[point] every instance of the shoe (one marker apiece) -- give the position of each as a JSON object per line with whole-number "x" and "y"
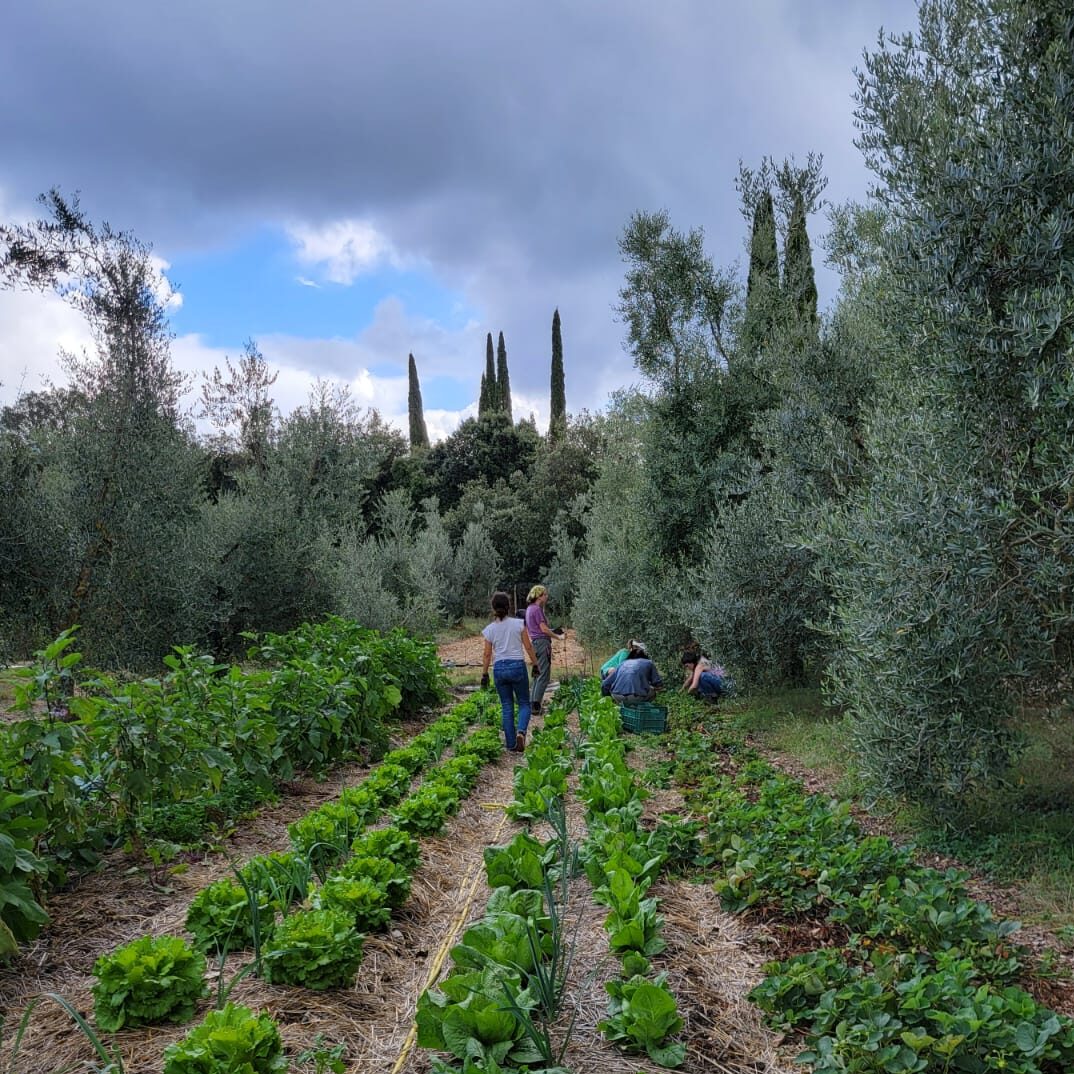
{"x": 520, "y": 742}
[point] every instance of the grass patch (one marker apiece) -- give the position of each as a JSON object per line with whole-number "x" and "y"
{"x": 1022, "y": 832}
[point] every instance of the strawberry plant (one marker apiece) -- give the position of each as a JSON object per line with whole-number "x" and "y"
{"x": 152, "y": 979}
{"x": 233, "y": 1040}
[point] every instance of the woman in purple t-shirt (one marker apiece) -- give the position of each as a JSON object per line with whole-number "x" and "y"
{"x": 540, "y": 635}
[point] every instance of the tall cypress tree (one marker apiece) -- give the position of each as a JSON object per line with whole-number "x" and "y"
{"x": 762, "y": 285}
{"x": 489, "y": 400}
{"x": 419, "y": 435}
{"x": 557, "y": 424}
{"x": 799, "y": 282}
{"x": 503, "y": 379}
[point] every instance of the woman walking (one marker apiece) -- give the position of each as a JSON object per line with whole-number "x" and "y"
{"x": 540, "y": 635}
{"x": 507, "y": 645}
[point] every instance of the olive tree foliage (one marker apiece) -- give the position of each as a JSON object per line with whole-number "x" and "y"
{"x": 240, "y": 408}
{"x": 953, "y": 564}
{"x": 124, "y": 460}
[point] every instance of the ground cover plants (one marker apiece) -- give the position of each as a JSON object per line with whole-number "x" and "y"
{"x": 925, "y": 978}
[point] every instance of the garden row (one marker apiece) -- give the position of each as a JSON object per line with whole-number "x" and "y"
{"x": 92, "y": 760}
{"x": 923, "y": 979}
{"x": 500, "y": 1008}
{"x": 303, "y": 913}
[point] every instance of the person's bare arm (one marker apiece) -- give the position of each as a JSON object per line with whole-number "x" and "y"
{"x": 696, "y": 676}
{"x": 528, "y": 646}
{"x": 488, "y": 657}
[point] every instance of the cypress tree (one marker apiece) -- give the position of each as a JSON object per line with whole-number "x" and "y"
{"x": 799, "y": 282}
{"x": 419, "y": 435}
{"x": 762, "y": 284}
{"x": 503, "y": 380}
{"x": 489, "y": 400}
{"x": 557, "y": 424}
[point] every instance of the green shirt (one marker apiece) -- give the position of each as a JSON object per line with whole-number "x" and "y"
{"x": 613, "y": 662}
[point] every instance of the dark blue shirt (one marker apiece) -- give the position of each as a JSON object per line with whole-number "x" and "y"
{"x": 634, "y": 678}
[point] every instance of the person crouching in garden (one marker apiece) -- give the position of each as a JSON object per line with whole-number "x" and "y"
{"x": 635, "y": 679}
{"x": 506, "y": 640}
{"x": 704, "y": 679}
{"x": 541, "y": 635}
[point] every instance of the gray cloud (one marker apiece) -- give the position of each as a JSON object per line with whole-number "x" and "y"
{"x": 505, "y": 144}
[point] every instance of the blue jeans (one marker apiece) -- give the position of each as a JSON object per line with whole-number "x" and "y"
{"x": 710, "y": 686}
{"x": 512, "y": 684}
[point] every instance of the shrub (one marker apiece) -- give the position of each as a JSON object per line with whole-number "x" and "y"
{"x": 152, "y": 979}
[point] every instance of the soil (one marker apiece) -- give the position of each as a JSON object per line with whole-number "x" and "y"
{"x": 568, "y": 655}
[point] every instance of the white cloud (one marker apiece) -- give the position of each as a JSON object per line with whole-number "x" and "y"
{"x": 163, "y": 291}
{"x": 344, "y": 249}
{"x": 36, "y": 327}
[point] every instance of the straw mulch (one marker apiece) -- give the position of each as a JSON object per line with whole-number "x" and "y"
{"x": 710, "y": 961}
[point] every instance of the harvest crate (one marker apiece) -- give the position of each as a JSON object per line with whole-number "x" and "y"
{"x": 644, "y": 718}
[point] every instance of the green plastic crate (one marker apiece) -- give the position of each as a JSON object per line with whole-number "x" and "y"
{"x": 644, "y": 718}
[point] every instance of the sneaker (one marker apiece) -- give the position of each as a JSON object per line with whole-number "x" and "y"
{"x": 520, "y": 742}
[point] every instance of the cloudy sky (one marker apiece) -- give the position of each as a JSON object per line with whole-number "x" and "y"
{"x": 350, "y": 182}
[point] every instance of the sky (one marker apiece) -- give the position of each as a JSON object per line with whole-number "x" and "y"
{"x": 347, "y": 183}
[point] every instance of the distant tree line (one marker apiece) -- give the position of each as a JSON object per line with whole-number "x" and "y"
{"x": 879, "y": 499}
{"x": 119, "y": 517}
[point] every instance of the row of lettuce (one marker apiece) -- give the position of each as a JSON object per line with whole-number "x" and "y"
{"x": 922, "y": 977}
{"x": 91, "y": 760}
{"x": 500, "y": 1009}
{"x": 304, "y": 913}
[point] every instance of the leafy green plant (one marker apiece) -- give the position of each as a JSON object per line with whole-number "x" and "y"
{"x": 389, "y": 782}
{"x": 233, "y": 1040}
{"x": 642, "y": 1015}
{"x": 324, "y": 834}
{"x": 469, "y": 1016}
{"x": 426, "y": 810}
{"x": 21, "y": 915}
{"x": 284, "y": 876}
{"x": 324, "y": 1059}
{"x": 318, "y": 949}
{"x": 150, "y": 980}
{"x": 360, "y": 897}
{"x": 518, "y": 864}
{"x": 394, "y": 880}
{"x": 219, "y": 916}
{"x": 392, "y": 843}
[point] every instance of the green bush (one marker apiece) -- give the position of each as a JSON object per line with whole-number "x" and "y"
{"x": 152, "y": 979}
{"x": 233, "y": 1040}
{"x": 318, "y": 949}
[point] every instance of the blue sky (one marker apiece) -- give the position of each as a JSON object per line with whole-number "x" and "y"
{"x": 347, "y": 184}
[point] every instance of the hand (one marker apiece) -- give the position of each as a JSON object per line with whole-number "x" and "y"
{"x": 485, "y": 681}
{"x": 535, "y": 671}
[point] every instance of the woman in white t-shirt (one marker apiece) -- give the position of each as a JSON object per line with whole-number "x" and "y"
{"x": 507, "y": 641}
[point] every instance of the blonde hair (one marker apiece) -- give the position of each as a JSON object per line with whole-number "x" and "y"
{"x": 535, "y": 593}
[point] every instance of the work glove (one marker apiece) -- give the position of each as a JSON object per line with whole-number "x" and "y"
{"x": 485, "y": 681}
{"x": 535, "y": 671}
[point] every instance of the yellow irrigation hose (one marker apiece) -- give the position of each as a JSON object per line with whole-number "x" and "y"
{"x": 449, "y": 939}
